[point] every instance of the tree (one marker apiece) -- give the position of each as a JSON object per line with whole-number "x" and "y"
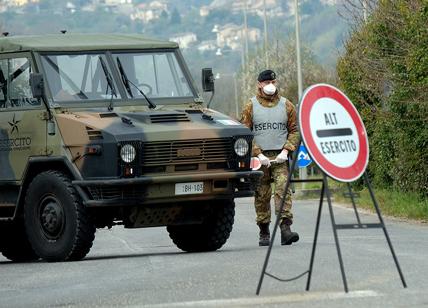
{"x": 163, "y": 15}
{"x": 384, "y": 70}
{"x": 282, "y": 60}
{"x": 175, "y": 17}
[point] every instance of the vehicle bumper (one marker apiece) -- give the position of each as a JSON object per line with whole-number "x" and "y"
{"x": 161, "y": 189}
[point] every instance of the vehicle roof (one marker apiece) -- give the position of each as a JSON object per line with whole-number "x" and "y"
{"x": 81, "y": 42}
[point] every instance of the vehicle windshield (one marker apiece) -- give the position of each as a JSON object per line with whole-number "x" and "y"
{"x": 83, "y": 77}
{"x": 79, "y": 77}
{"x": 157, "y": 74}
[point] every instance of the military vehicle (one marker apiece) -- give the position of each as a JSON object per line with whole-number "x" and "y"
{"x": 103, "y": 130}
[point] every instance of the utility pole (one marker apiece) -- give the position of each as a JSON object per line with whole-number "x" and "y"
{"x": 266, "y": 34}
{"x": 299, "y": 67}
{"x": 243, "y": 55}
{"x": 236, "y": 96}
{"x": 246, "y": 30}
{"x": 302, "y": 171}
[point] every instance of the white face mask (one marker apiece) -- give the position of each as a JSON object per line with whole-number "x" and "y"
{"x": 269, "y": 89}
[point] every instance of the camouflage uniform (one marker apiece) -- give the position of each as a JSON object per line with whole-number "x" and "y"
{"x": 276, "y": 173}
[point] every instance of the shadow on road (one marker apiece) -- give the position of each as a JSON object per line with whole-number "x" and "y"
{"x": 143, "y": 255}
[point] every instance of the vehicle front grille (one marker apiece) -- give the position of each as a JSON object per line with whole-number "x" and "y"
{"x": 187, "y": 151}
{"x": 129, "y": 192}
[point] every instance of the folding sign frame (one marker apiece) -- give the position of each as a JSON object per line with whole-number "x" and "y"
{"x": 325, "y": 192}
{"x": 334, "y": 104}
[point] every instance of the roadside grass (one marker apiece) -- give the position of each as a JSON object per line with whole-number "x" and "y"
{"x": 391, "y": 203}
{"x": 311, "y": 190}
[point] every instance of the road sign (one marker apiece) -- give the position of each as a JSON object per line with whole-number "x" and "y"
{"x": 333, "y": 132}
{"x": 303, "y": 159}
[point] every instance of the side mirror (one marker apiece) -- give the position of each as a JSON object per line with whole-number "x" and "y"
{"x": 207, "y": 80}
{"x": 37, "y": 85}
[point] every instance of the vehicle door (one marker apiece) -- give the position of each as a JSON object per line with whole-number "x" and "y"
{"x": 22, "y": 117}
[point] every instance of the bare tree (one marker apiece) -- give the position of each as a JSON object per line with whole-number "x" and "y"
{"x": 282, "y": 60}
{"x": 356, "y": 11}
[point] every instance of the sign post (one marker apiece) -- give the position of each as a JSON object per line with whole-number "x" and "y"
{"x": 336, "y": 140}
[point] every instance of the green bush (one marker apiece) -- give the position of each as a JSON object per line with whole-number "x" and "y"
{"x": 384, "y": 71}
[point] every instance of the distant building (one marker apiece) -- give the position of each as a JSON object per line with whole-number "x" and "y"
{"x": 233, "y": 36}
{"x": 118, "y": 6}
{"x": 207, "y": 46}
{"x": 273, "y": 7}
{"x": 147, "y": 12}
{"x": 204, "y": 11}
{"x": 184, "y": 39}
{"x": 117, "y": 2}
{"x": 70, "y": 7}
{"x": 90, "y": 7}
{"x": 18, "y": 2}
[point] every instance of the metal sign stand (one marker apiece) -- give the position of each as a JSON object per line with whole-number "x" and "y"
{"x": 325, "y": 191}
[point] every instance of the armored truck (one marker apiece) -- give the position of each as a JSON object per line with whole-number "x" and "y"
{"x": 98, "y": 130}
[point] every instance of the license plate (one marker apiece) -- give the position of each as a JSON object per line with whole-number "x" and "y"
{"x": 189, "y": 188}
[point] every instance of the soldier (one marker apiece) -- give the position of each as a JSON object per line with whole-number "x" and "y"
{"x": 272, "y": 119}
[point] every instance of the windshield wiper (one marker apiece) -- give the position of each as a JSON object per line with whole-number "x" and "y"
{"x": 128, "y": 82}
{"x": 109, "y": 82}
{"x": 124, "y": 78}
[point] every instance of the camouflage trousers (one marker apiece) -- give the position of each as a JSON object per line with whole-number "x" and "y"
{"x": 277, "y": 174}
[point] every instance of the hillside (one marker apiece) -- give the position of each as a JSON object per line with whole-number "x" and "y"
{"x": 200, "y": 26}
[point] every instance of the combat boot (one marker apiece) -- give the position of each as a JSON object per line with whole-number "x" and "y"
{"x": 264, "y": 235}
{"x": 287, "y": 236}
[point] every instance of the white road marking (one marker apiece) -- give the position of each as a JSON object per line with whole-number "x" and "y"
{"x": 252, "y": 301}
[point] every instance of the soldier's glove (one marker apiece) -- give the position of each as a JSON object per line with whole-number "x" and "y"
{"x": 282, "y": 157}
{"x": 263, "y": 160}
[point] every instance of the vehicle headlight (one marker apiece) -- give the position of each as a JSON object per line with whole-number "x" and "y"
{"x": 128, "y": 153}
{"x": 241, "y": 147}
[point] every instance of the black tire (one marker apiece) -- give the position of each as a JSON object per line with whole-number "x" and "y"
{"x": 14, "y": 244}
{"x": 211, "y": 235}
{"x": 57, "y": 224}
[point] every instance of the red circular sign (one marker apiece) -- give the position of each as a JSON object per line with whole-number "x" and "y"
{"x": 333, "y": 132}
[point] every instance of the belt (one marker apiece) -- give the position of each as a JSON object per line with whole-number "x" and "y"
{"x": 271, "y": 152}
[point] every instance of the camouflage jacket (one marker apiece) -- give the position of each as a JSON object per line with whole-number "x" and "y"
{"x": 293, "y": 133}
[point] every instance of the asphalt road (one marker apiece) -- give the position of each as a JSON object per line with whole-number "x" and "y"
{"x": 142, "y": 267}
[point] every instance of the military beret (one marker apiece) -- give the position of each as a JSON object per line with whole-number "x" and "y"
{"x": 266, "y": 75}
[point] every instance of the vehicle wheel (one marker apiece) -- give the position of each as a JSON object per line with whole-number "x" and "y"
{"x": 14, "y": 244}
{"x": 57, "y": 224}
{"x": 211, "y": 235}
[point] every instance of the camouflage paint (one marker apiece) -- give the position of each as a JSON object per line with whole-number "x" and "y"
{"x": 73, "y": 127}
{"x": 6, "y": 172}
{"x": 277, "y": 174}
{"x": 87, "y": 125}
{"x": 23, "y": 136}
